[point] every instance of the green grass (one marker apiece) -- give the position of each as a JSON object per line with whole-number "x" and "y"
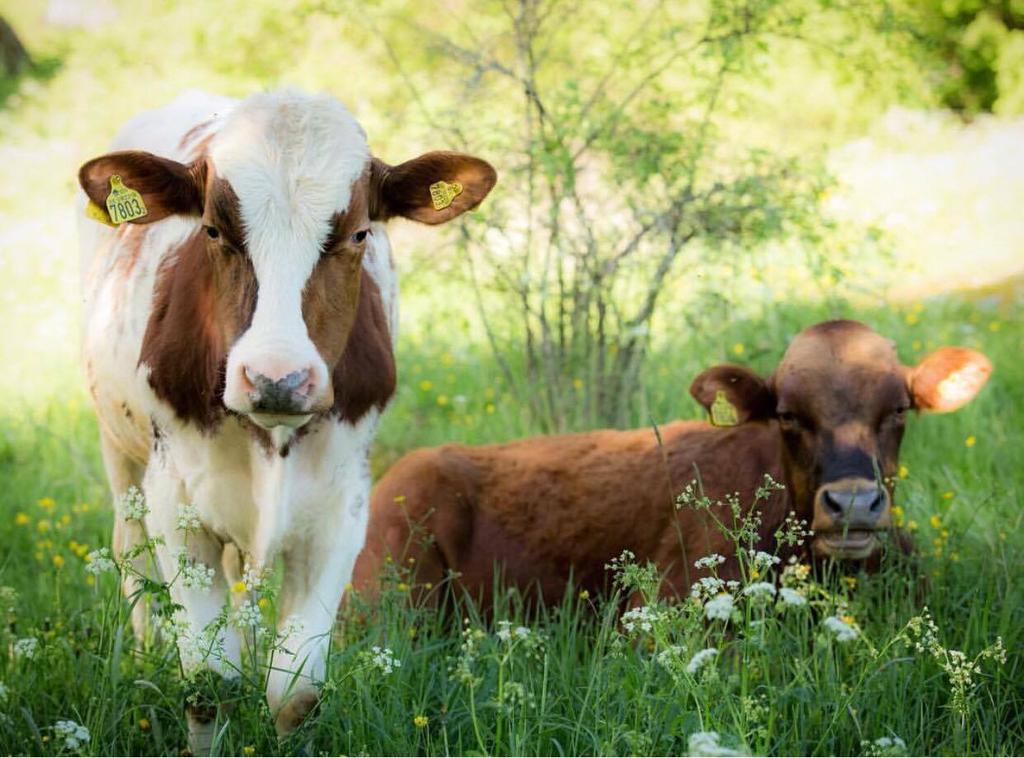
{"x": 577, "y": 686}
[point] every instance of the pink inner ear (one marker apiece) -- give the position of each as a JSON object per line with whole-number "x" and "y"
{"x": 944, "y": 388}
{"x": 959, "y": 387}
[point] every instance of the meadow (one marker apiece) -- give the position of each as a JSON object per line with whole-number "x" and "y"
{"x": 879, "y": 664}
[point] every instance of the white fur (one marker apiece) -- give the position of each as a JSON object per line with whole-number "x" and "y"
{"x": 291, "y": 159}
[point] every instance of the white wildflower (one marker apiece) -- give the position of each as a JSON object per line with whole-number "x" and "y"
{"x": 843, "y": 632}
{"x": 253, "y": 578}
{"x": 719, "y": 607}
{"x": 132, "y": 505}
{"x": 792, "y": 597}
{"x": 670, "y": 656}
{"x": 99, "y": 561}
{"x": 506, "y": 633}
{"x": 74, "y": 735}
{"x": 197, "y": 649}
{"x": 196, "y": 575}
{"x": 292, "y": 627}
{"x": 383, "y": 659}
{"x": 188, "y": 518}
{"x": 708, "y": 743}
{"x": 701, "y": 659}
{"x": 884, "y": 746}
{"x": 707, "y": 586}
{"x": 760, "y": 589}
{"x": 709, "y": 561}
{"x": 639, "y": 619}
{"x": 26, "y": 648}
{"x": 762, "y": 560}
{"x": 248, "y": 616}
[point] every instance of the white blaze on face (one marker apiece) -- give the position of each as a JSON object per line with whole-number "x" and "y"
{"x": 291, "y": 159}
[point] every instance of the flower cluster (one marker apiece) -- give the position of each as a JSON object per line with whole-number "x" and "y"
{"x": 506, "y": 633}
{"x": 99, "y": 561}
{"x": 248, "y": 616}
{"x": 382, "y": 659}
{"x": 132, "y": 505}
{"x": 719, "y": 607}
{"x": 640, "y": 619}
{"x": 884, "y": 746}
{"x": 701, "y": 659}
{"x": 188, "y": 518}
{"x": 196, "y": 575}
{"x": 842, "y": 630}
{"x": 709, "y": 561}
{"x": 708, "y": 743}
{"x": 74, "y": 735}
{"x": 26, "y": 648}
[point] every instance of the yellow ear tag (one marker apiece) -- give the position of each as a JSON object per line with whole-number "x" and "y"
{"x": 723, "y": 413}
{"x": 124, "y": 203}
{"x": 442, "y": 193}
{"x": 96, "y": 213}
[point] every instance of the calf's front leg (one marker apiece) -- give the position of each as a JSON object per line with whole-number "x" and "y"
{"x": 315, "y": 574}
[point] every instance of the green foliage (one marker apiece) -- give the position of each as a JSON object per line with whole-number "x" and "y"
{"x": 980, "y": 43}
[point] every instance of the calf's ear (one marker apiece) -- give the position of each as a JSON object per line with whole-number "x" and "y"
{"x": 167, "y": 187}
{"x": 948, "y": 378}
{"x": 747, "y": 393}
{"x": 431, "y": 189}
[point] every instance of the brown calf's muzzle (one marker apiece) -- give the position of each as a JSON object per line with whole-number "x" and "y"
{"x": 848, "y": 514}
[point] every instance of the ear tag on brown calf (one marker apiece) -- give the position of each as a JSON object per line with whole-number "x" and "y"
{"x": 124, "y": 203}
{"x": 96, "y": 213}
{"x": 442, "y": 193}
{"x": 723, "y": 413}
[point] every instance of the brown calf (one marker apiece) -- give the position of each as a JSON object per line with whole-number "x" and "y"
{"x": 828, "y": 424}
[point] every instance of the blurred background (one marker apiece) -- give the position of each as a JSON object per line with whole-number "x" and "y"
{"x": 680, "y": 182}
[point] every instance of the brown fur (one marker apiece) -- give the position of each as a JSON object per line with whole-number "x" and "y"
{"x": 548, "y": 508}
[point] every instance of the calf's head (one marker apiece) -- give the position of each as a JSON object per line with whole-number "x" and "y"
{"x": 255, "y": 313}
{"x": 840, "y": 399}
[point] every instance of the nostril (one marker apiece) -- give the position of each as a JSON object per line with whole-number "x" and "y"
{"x": 831, "y": 502}
{"x": 877, "y": 503}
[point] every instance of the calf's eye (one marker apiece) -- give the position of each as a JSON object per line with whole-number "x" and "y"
{"x": 212, "y": 232}
{"x": 789, "y": 421}
{"x": 360, "y": 236}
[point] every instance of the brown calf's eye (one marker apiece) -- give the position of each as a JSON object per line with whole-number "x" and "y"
{"x": 212, "y": 232}
{"x": 360, "y": 236}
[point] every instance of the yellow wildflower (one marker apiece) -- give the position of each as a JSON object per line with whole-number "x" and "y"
{"x": 238, "y": 587}
{"x": 262, "y": 602}
{"x": 848, "y": 619}
{"x": 912, "y": 525}
{"x": 850, "y": 582}
{"x": 249, "y": 750}
{"x": 970, "y": 441}
{"x": 739, "y": 348}
{"x": 904, "y": 472}
{"x": 21, "y": 519}
{"x": 65, "y": 519}
{"x": 428, "y": 585}
{"x": 994, "y": 326}
{"x": 420, "y": 721}
{"x": 426, "y": 385}
{"x": 911, "y": 318}
{"x": 584, "y": 595}
{"x": 144, "y": 725}
{"x": 897, "y": 516}
{"x": 948, "y": 495}
{"x": 58, "y": 560}
{"x": 577, "y": 383}
{"x": 43, "y": 525}
{"x": 47, "y": 502}
{"x": 403, "y": 587}
{"x": 442, "y": 400}
{"x": 936, "y": 521}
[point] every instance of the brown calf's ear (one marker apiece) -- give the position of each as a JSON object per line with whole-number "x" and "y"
{"x": 167, "y": 187}
{"x": 431, "y": 189}
{"x": 748, "y": 394}
{"x": 948, "y": 378}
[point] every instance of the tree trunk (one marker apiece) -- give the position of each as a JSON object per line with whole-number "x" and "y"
{"x": 13, "y": 55}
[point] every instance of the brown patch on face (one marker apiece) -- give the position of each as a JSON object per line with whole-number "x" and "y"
{"x": 204, "y": 299}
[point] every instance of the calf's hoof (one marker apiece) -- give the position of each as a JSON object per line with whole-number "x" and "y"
{"x": 295, "y": 710}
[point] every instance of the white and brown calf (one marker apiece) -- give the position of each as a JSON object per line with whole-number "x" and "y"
{"x": 238, "y": 344}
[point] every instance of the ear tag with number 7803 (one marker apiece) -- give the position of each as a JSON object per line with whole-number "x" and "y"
{"x": 124, "y": 203}
{"x": 723, "y": 413}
